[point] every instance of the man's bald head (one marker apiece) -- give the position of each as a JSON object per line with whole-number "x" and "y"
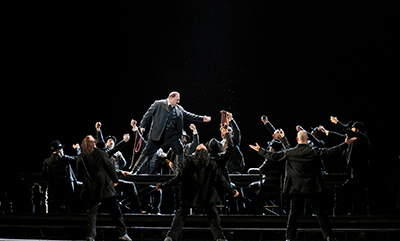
{"x": 302, "y": 137}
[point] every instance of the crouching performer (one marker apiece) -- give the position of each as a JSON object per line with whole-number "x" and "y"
{"x": 200, "y": 179}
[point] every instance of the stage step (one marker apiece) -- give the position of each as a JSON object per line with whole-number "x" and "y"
{"x": 236, "y": 227}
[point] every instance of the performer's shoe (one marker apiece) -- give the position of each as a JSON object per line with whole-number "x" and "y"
{"x": 331, "y": 239}
{"x": 125, "y": 237}
{"x": 168, "y": 239}
{"x": 89, "y": 239}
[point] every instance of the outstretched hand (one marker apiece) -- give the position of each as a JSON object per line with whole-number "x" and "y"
{"x": 206, "y": 118}
{"x": 256, "y": 147}
{"x": 236, "y": 194}
{"x": 349, "y": 141}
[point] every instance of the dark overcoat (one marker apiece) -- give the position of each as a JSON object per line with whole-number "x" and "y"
{"x": 199, "y": 184}
{"x": 102, "y": 174}
{"x": 303, "y": 167}
{"x": 158, "y": 113}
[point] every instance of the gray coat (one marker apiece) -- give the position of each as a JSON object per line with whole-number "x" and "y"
{"x": 157, "y": 114}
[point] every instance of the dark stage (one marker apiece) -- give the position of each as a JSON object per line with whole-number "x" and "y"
{"x": 74, "y": 64}
{"x": 236, "y": 227}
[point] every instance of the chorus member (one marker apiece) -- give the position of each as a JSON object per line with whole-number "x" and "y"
{"x": 132, "y": 203}
{"x": 236, "y": 161}
{"x": 99, "y": 179}
{"x": 303, "y": 179}
{"x": 165, "y": 118}
{"x": 358, "y": 165}
{"x": 200, "y": 179}
{"x": 57, "y": 170}
{"x": 277, "y": 134}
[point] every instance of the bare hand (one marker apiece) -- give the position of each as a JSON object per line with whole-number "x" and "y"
{"x": 299, "y": 128}
{"x": 76, "y": 146}
{"x": 206, "y": 118}
{"x": 171, "y": 165}
{"x": 236, "y": 194}
{"x": 192, "y": 127}
{"x": 115, "y": 184}
{"x": 126, "y": 173}
{"x": 321, "y": 128}
{"x": 126, "y": 137}
{"x": 348, "y": 142}
{"x": 158, "y": 187}
{"x": 264, "y": 119}
{"x": 334, "y": 120}
{"x": 256, "y": 147}
{"x": 142, "y": 129}
{"x": 98, "y": 126}
{"x": 133, "y": 123}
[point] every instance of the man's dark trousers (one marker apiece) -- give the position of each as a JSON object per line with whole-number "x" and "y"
{"x": 296, "y": 208}
{"x": 169, "y": 139}
{"x": 180, "y": 218}
{"x": 111, "y": 204}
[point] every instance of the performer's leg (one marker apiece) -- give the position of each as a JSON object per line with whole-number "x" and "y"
{"x": 316, "y": 202}
{"x": 91, "y": 220}
{"x": 360, "y": 194}
{"x": 215, "y": 222}
{"x": 295, "y": 210}
{"x": 178, "y": 222}
{"x": 130, "y": 189}
{"x": 177, "y": 147}
{"x": 116, "y": 215}
{"x": 147, "y": 153}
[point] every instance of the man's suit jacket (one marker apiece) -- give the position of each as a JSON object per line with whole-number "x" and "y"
{"x": 303, "y": 166}
{"x": 200, "y": 185}
{"x": 101, "y": 172}
{"x": 236, "y": 161}
{"x": 158, "y": 113}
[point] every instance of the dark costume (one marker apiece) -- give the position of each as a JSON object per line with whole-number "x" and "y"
{"x": 57, "y": 170}
{"x": 236, "y": 161}
{"x": 199, "y": 180}
{"x": 132, "y": 203}
{"x": 303, "y": 179}
{"x": 358, "y": 166}
{"x": 99, "y": 177}
{"x": 166, "y": 129}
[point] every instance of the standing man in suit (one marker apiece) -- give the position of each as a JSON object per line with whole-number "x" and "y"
{"x": 166, "y": 118}
{"x": 303, "y": 179}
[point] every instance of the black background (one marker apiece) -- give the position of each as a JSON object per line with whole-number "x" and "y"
{"x": 76, "y": 63}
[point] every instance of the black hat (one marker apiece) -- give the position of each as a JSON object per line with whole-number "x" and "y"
{"x": 56, "y": 145}
{"x": 187, "y": 136}
{"x": 359, "y": 125}
{"x": 213, "y": 147}
{"x": 111, "y": 137}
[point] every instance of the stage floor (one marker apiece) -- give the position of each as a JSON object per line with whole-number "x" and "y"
{"x": 154, "y": 227}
